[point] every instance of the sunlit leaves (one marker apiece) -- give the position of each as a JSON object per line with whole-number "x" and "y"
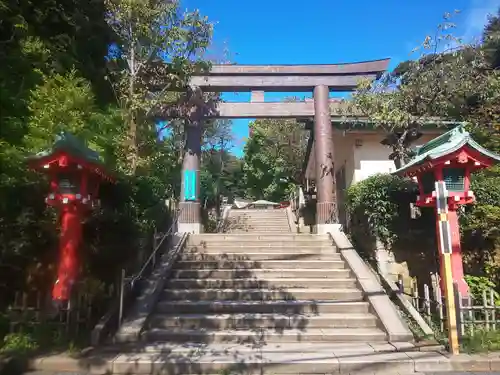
{"x": 446, "y": 81}
{"x": 158, "y": 48}
{"x": 274, "y": 156}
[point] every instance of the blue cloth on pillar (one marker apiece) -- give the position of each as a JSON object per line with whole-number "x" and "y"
{"x": 189, "y": 185}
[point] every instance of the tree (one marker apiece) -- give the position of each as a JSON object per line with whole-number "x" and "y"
{"x": 446, "y": 81}
{"x": 274, "y": 156}
{"x": 157, "y": 49}
{"x": 217, "y": 141}
{"x": 53, "y": 78}
{"x": 491, "y": 40}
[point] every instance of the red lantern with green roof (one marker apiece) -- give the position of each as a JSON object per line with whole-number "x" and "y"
{"x": 75, "y": 173}
{"x": 452, "y": 158}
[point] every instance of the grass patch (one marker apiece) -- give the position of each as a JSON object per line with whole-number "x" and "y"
{"x": 481, "y": 342}
{"x": 39, "y": 339}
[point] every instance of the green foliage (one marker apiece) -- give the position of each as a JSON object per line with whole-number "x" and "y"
{"x": 30, "y": 338}
{"x": 274, "y": 156}
{"x": 478, "y": 285}
{"x": 491, "y": 37}
{"x": 481, "y": 341}
{"x": 447, "y": 80}
{"x": 158, "y": 48}
{"x": 219, "y": 172}
{"x": 480, "y": 227}
{"x": 19, "y": 343}
{"x": 61, "y": 103}
{"x": 376, "y": 201}
{"x": 55, "y": 77}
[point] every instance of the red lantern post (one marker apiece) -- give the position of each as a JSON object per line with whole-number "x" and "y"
{"x": 451, "y": 158}
{"x": 75, "y": 172}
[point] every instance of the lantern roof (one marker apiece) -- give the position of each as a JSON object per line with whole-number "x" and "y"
{"x": 67, "y": 143}
{"x": 443, "y": 145}
{"x": 71, "y": 145}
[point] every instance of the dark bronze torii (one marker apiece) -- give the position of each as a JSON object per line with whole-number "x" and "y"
{"x": 257, "y": 79}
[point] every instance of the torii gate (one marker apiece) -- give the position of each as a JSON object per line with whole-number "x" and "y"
{"x": 257, "y": 79}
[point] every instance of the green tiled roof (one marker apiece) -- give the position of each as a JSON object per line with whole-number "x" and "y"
{"x": 73, "y": 146}
{"x": 444, "y": 145}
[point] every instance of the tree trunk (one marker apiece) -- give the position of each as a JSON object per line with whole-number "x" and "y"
{"x": 134, "y": 154}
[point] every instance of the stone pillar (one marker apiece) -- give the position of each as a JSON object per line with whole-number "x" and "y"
{"x": 326, "y": 210}
{"x": 190, "y": 206}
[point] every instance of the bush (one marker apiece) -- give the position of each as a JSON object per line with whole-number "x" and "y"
{"x": 19, "y": 343}
{"x": 379, "y": 208}
{"x": 380, "y": 215}
{"x": 375, "y": 204}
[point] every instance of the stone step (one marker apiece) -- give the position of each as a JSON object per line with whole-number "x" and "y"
{"x": 268, "y": 220}
{"x": 264, "y": 236}
{"x": 287, "y": 294}
{"x": 260, "y": 219}
{"x": 282, "y": 254}
{"x": 252, "y": 321}
{"x": 348, "y": 283}
{"x": 231, "y": 247}
{"x": 263, "y": 223}
{"x": 251, "y": 212}
{"x": 262, "y": 307}
{"x": 266, "y": 264}
{"x": 340, "y": 348}
{"x": 355, "y": 358}
{"x": 258, "y": 244}
{"x": 322, "y": 273}
{"x": 269, "y": 223}
{"x": 250, "y": 229}
{"x": 264, "y": 214}
{"x": 254, "y": 230}
{"x": 250, "y": 237}
{"x": 262, "y": 336}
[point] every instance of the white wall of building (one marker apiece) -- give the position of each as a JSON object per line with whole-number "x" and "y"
{"x": 363, "y": 155}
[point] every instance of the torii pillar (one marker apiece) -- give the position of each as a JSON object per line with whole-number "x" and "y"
{"x": 326, "y": 208}
{"x": 190, "y": 205}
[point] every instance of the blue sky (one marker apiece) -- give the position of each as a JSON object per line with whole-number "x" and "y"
{"x": 328, "y": 31}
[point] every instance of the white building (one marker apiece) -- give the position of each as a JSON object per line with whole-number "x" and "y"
{"x": 358, "y": 154}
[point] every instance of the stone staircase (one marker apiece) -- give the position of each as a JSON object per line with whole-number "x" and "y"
{"x": 262, "y": 300}
{"x": 262, "y": 289}
{"x": 258, "y": 221}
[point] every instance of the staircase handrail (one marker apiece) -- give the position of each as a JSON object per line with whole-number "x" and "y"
{"x": 152, "y": 256}
{"x": 115, "y": 313}
{"x": 223, "y": 218}
{"x": 130, "y": 281}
